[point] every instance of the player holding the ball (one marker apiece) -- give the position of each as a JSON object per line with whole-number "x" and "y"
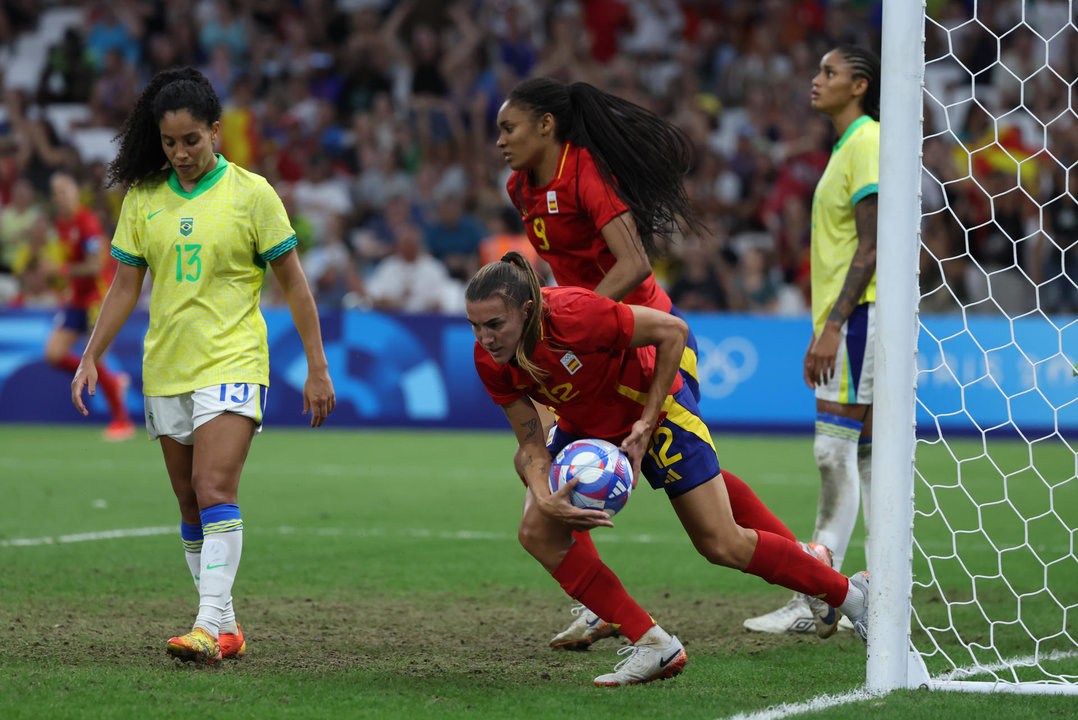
{"x": 610, "y": 371}
{"x": 597, "y": 181}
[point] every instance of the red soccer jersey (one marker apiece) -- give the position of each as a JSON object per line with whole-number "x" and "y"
{"x": 81, "y": 237}
{"x": 564, "y": 220}
{"x": 597, "y": 384}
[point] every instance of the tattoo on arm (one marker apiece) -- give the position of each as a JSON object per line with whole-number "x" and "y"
{"x": 532, "y": 427}
{"x": 863, "y": 265}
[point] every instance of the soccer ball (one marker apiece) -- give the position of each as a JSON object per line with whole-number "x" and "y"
{"x": 604, "y": 473}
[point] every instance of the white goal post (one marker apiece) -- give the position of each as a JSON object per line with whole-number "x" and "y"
{"x": 948, "y": 609}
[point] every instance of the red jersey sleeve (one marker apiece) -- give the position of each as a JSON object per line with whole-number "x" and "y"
{"x": 597, "y": 199}
{"x": 497, "y": 379}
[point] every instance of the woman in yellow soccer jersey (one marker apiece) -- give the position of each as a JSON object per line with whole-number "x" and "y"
{"x": 205, "y": 229}
{"x": 839, "y": 362}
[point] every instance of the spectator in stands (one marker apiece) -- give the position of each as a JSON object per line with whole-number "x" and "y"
{"x": 411, "y": 280}
{"x": 37, "y": 268}
{"x": 68, "y": 74}
{"x": 113, "y": 26}
{"x": 38, "y": 150}
{"x": 323, "y": 198}
{"x": 1055, "y": 253}
{"x": 454, "y": 236}
{"x": 114, "y": 91}
{"x": 16, "y": 219}
{"x": 700, "y": 283}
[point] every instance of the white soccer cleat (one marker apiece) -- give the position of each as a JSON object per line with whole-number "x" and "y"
{"x": 583, "y": 631}
{"x": 646, "y": 663}
{"x": 860, "y": 619}
{"x": 793, "y": 617}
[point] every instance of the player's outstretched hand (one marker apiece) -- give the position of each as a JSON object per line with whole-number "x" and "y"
{"x": 85, "y": 377}
{"x": 559, "y": 507}
{"x": 318, "y": 397}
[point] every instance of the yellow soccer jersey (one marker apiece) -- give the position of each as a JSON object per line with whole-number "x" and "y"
{"x": 852, "y": 172}
{"x": 207, "y": 251}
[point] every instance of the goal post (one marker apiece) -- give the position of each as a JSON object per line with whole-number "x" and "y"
{"x": 898, "y": 245}
{"x": 974, "y": 513}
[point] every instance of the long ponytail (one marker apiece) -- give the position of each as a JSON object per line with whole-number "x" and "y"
{"x": 515, "y": 281}
{"x": 641, "y": 157}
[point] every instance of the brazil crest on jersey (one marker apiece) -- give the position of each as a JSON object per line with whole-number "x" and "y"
{"x": 564, "y": 220}
{"x": 207, "y": 251}
{"x": 852, "y": 173}
{"x": 597, "y": 384}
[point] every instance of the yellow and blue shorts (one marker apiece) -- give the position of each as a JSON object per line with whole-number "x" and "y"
{"x": 680, "y": 456}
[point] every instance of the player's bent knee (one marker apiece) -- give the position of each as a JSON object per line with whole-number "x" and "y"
{"x": 718, "y": 553}
{"x": 529, "y": 539}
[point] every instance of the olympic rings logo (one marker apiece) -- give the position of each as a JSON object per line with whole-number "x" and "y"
{"x": 722, "y": 367}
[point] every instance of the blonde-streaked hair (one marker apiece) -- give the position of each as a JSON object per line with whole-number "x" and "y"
{"x": 515, "y": 281}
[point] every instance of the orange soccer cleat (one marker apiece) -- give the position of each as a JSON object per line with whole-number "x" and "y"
{"x": 119, "y": 430}
{"x": 233, "y": 644}
{"x": 196, "y": 646}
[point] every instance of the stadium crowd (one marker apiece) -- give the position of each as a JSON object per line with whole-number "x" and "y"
{"x": 375, "y": 122}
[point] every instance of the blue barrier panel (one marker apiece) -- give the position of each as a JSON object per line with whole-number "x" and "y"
{"x": 417, "y": 371}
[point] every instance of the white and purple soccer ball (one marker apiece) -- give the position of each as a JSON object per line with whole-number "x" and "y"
{"x": 604, "y": 473}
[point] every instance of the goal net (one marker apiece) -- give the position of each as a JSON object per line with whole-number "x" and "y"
{"x": 982, "y": 594}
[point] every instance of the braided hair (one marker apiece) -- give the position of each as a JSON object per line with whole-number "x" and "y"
{"x": 864, "y": 64}
{"x": 140, "y": 154}
{"x": 515, "y": 281}
{"x": 641, "y": 157}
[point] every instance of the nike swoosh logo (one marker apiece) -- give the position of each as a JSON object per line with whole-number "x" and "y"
{"x": 211, "y": 567}
{"x": 663, "y": 662}
{"x": 154, "y": 213}
{"x": 595, "y": 622}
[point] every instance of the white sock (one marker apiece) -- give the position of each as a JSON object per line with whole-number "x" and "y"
{"x": 654, "y": 636}
{"x": 228, "y": 617}
{"x": 835, "y": 449}
{"x": 854, "y": 604}
{"x": 219, "y": 563}
{"x": 864, "y": 468}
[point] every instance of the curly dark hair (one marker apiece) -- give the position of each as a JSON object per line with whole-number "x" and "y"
{"x": 641, "y": 157}
{"x": 140, "y": 155}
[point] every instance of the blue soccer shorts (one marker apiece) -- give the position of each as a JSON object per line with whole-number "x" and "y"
{"x": 680, "y": 455}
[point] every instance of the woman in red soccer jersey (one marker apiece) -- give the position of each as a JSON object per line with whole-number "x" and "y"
{"x": 88, "y": 273}
{"x": 596, "y": 178}
{"x": 623, "y": 386}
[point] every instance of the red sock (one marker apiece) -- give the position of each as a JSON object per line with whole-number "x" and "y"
{"x": 749, "y": 510}
{"x": 584, "y": 576}
{"x": 106, "y": 379}
{"x": 584, "y": 539}
{"x": 69, "y": 363}
{"x": 784, "y": 562}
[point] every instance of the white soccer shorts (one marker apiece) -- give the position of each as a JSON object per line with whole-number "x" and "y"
{"x": 178, "y": 416}
{"x": 853, "y": 379}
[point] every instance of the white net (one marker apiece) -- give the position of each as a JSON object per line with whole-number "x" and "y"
{"x": 995, "y": 569}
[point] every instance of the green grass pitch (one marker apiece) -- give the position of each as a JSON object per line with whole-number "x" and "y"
{"x": 381, "y": 578}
